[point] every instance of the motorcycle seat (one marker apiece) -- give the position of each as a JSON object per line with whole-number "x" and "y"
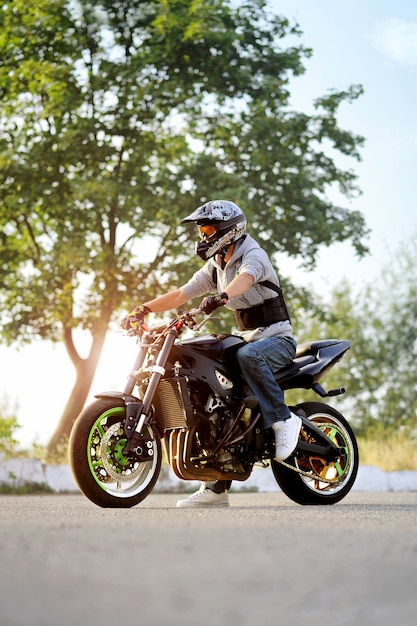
{"x": 294, "y": 367}
{"x": 306, "y": 353}
{"x": 312, "y": 347}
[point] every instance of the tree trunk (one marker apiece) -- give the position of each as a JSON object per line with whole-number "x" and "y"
{"x": 85, "y": 373}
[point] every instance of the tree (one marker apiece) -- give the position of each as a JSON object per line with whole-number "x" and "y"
{"x": 8, "y": 427}
{"x": 379, "y": 369}
{"x": 392, "y": 314}
{"x": 119, "y": 117}
{"x": 345, "y": 317}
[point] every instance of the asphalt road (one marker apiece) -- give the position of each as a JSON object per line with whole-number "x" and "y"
{"x": 262, "y": 561}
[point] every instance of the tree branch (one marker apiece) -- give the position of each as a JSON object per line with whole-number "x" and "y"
{"x": 70, "y": 347}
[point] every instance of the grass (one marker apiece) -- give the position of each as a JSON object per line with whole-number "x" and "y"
{"x": 25, "y": 489}
{"x": 390, "y": 452}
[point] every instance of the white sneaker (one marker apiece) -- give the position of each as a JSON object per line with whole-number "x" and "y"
{"x": 286, "y": 436}
{"x": 204, "y": 497}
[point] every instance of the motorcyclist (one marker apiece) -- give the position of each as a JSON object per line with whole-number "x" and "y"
{"x": 240, "y": 275}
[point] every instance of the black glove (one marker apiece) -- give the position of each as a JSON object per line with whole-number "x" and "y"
{"x": 211, "y": 303}
{"x": 136, "y": 317}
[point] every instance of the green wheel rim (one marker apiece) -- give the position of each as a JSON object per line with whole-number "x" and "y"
{"x": 111, "y": 469}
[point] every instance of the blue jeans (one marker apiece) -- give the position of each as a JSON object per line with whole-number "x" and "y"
{"x": 259, "y": 361}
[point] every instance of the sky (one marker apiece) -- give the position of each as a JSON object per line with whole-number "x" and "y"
{"x": 372, "y": 43}
{"x": 367, "y": 42}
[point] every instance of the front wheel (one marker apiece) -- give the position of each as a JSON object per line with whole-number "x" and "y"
{"x": 315, "y": 480}
{"x": 103, "y": 473}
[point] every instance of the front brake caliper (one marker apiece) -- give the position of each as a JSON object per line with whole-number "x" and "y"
{"x": 140, "y": 447}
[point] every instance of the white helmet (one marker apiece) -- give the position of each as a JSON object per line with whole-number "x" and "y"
{"x": 229, "y": 224}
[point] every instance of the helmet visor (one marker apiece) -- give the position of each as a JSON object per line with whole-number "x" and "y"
{"x": 206, "y": 231}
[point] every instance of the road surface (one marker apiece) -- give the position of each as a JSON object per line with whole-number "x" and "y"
{"x": 263, "y": 561}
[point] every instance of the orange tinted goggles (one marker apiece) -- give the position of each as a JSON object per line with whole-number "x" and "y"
{"x": 206, "y": 231}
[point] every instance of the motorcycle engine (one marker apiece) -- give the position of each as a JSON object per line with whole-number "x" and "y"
{"x": 215, "y": 421}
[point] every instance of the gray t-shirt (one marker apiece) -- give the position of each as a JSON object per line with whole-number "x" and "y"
{"x": 247, "y": 258}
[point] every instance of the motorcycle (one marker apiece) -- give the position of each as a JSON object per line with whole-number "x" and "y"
{"x": 192, "y": 396}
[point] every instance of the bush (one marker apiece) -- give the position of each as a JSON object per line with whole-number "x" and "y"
{"x": 8, "y": 427}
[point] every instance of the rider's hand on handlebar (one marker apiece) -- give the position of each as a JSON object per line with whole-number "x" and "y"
{"x": 211, "y": 303}
{"x": 135, "y": 318}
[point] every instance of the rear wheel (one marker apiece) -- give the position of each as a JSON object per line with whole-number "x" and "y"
{"x": 103, "y": 473}
{"x": 315, "y": 480}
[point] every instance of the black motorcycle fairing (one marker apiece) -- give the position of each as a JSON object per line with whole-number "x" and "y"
{"x": 219, "y": 346}
{"x": 212, "y": 360}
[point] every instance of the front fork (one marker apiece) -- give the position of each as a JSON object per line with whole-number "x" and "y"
{"x": 138, "y": 412}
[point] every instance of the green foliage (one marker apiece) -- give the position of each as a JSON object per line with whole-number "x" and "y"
{"x": 379, "y": 369}
{"x": 392, "y": 313}
{"x": 119, "y": 117}
{"x": 8, "y": 427}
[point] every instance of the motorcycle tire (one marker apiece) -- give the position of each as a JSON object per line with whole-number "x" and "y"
{"x": 339, "y": 476}
{"x": 103, "y": 473}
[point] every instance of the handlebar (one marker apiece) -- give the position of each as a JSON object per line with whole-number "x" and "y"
{"x": 184, "y": 318}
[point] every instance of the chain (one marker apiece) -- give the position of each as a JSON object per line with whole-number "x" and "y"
{"x": 312, "y": 476}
